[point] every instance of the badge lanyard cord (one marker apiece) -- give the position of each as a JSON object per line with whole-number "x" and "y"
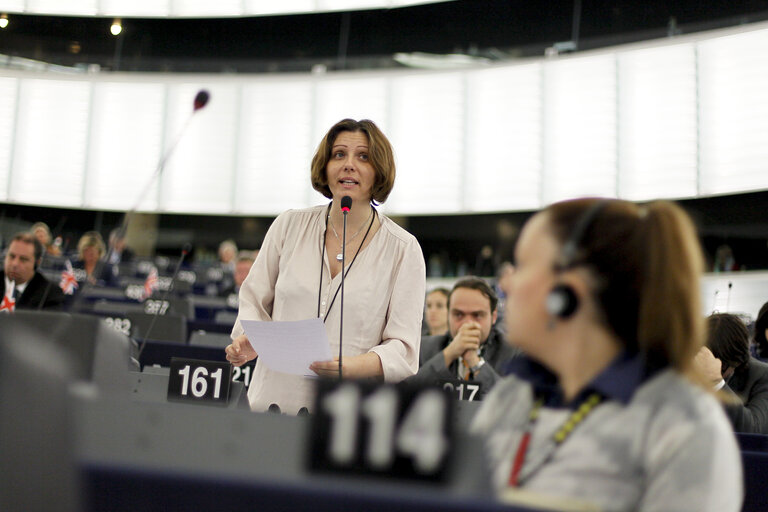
{"x": 559, "y": 437}
{"x": 346, "y": 273}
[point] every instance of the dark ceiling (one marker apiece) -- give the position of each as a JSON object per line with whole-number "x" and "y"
{"x": 494, "y": 29}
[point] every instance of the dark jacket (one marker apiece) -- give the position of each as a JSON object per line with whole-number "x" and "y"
{"x": 750, "y": 385}
{"x": 432, "y": 370}
{"x": 35, "y": 292}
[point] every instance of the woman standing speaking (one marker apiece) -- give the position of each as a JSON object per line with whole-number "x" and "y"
{"x": 297, "y": 274}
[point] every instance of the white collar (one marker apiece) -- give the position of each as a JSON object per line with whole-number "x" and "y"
{"x": 20, "y": 287}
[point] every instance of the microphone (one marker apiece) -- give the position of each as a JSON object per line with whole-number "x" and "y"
{"x": 714, "y": 302}
{"x": 201, "y": 99}
{"x": 184, "y": 252}
{"x": 728, "y": 297}
{"x": 346, "y": 205}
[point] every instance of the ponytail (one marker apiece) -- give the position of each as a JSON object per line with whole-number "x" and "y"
{"x": 670, "y": 324}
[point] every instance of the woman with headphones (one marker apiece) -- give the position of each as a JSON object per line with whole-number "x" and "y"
{"x": 605, "y": 407}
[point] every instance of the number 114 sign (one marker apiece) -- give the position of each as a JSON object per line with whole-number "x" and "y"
{"x": 385, "y": 430}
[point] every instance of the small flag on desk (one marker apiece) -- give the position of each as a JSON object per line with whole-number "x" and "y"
{"x": 9, "y": 303}
{"x": 151, "y": 284}
{"x": 68, "y": 283}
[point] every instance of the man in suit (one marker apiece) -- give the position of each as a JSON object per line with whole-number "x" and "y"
{"x": 474, "y": 349}
{"x": 726, "y": 361}
{"x": 31, "y": 288}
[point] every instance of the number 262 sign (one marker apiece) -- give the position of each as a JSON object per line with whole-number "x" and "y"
{"x": 385, "y": 430}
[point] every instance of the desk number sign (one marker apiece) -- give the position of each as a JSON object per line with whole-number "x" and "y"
{"x": 193, "y": 380}
{"x": 468, "y": 390}
{"x": 384, "y": 430}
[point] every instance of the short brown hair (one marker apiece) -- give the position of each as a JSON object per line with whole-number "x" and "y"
{"x": 647, "y": 262}
{"x": 380, "y": 156}
{"x": 479, "y": 284}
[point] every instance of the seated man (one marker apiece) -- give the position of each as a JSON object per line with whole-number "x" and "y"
{"x": 30, "y": 287}
{"x": 726, "y": 361}
{"x": 243, "y": 266}
{"x": 473, "y": 349}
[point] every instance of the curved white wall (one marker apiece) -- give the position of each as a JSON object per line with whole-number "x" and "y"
{"x": 193, "y": 8}
{"x": 675, "y": 118}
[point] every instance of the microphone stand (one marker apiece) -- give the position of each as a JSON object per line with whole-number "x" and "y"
{"x": 184, "y": 251}
{"x": 200, "y": 101}
{"x": 345, "y": 210}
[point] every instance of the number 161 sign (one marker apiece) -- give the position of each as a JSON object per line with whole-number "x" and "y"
{"x": 193, "y": 380}
{"x": 385, "y": 430}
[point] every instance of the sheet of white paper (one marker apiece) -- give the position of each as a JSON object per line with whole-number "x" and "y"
{"x": 289, "y": 347}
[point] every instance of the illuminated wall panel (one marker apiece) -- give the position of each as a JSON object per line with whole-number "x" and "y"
{"x": 657, "y": 123}
{"x": 8, "y": 90}
{"x": 275, "y": 147}
{"x": 579, "y": 127}
{"x": 125, "y": 145}
{"x": 50, "y": 142}
{"x": 504, "y": 139}
{"x": 733, "y": 81}
{"x": 427, "y": 131}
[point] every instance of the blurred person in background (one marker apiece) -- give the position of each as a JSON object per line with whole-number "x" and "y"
{"x": 31, "y": 290}
{"x": 761, "y": 332}
{"x": 43, "y": 233}
{"x": 724, "y": 260}
{"x": 503, "y": 275}
{"x": 436, "y": 312}
{"x": 297, "y": 274}
{"x": 605, "y": 406}
{"x": 243, "y": 265}
{"x": 91, "y": 264}
{"x": 119, "y": 252}
{"x": 728, "y": 365}
{"x": 228, "y": 255}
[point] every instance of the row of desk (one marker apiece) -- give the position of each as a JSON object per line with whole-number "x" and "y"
{"x": 84, "y": 429}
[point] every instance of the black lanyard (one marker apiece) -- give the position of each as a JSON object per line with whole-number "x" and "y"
{"x": 349, "y": 267}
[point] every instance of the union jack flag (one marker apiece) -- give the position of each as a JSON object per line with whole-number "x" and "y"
{"x": 9, "y": 303}
{"x": 151, "y": 284}
{"x": 68, "y": 283}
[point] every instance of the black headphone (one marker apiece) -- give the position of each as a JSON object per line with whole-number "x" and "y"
{"x": 562, "y": 301}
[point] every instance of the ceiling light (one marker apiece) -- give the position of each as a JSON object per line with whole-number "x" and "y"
{"x": 3, "y": 20}
{"x": 117, "y": 27}
{"x": 433, "y": 61}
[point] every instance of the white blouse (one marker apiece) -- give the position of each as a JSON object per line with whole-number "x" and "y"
{"x": 383, "y": 300}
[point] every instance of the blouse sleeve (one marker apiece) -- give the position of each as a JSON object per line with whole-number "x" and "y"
{"x": 257, "y": 292}
{"x": 399, "y": 348}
